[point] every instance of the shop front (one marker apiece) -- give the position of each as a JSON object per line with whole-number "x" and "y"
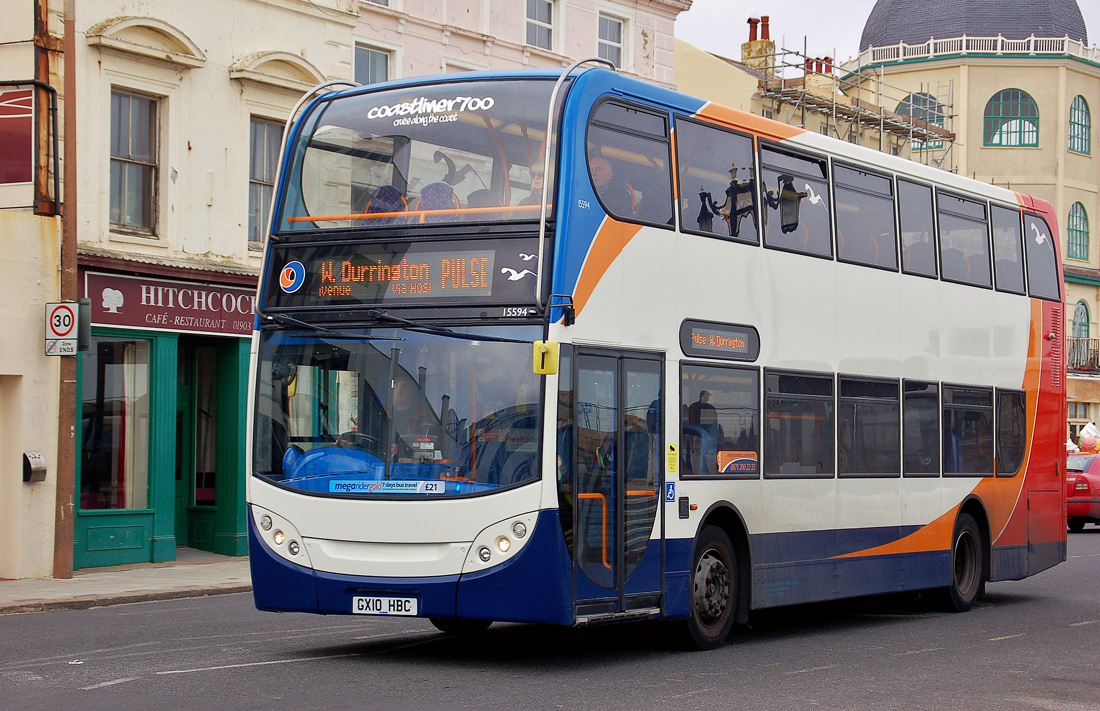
{"x": 161, "y": 426}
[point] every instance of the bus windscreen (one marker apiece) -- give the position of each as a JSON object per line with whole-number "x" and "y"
{"x": 421, "y": 155}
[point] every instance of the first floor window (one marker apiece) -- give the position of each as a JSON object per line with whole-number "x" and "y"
{"x": 264, "y": 155}
{"x": 371, "y": 65}
{"x": 540, "y": 23}
{"x": 133, "y": 161}
{"x": 611, "y": 40}
{"x": 1078, "y": 228}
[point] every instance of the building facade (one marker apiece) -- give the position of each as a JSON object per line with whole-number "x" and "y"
{"x": 176, "y": 124}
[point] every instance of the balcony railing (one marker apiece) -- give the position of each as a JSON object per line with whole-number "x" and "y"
{"x": 1083, "y": 355}
{"x": 1032, "y": 46}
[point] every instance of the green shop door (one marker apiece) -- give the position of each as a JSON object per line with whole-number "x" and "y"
{"x": 209, "y": 464}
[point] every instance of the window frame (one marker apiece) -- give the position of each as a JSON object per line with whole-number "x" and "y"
{"x": 995, "y": 118}
{"x": 933, "y": 233}
{"x": 938, "y": 438}
{"x": 841, "y": 399}
{"x": 997, "y": 448}
{"x": 829, "y": 431}
{"x": 371, "y": 50}
{"x": 1020, "y": 247}
{"x": 930, "y": 112}
{"x": 984, "y": 204}
{"x": 1077, "y": 232}
{"x": 966, "y": 407}
{"x": 601, "y": 42}
{"x": 755, "y": 370}
{"x": 261, "y": 183}
{"x": 151, "y": 231}
{"x": 1080, "y": 126}
{"x": 539, "y": 24}
{"x": 836, "y": 189}
{"x": 764, "y": 193}
{"x": 753, "y": 170}
{"x": 1030, "y": 256}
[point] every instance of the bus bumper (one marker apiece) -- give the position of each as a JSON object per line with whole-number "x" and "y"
{"x": 534, "y": 586}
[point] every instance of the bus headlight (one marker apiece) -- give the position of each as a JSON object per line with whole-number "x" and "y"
{"x": 499, "y": 542}
{"x": 278, "y": 538}
{"x": 265, "y": 522}
{"x": 293, "y": 547}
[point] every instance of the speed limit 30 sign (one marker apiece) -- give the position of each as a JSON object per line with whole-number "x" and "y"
{"x": 61, "y": 328}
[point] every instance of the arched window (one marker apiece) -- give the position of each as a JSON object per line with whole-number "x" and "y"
{"x": 923, "y": 107}
{"x": 1081, "y": 320}
{"x": 1080, "y": 126}
{"x": 1078, "y": 231}
{"x": 1011, "y": 119}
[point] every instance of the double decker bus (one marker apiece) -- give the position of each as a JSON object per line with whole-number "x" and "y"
{"x": 574, "y": 348}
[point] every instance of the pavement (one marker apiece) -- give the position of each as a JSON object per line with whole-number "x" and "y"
{"x": 194, "y": 573}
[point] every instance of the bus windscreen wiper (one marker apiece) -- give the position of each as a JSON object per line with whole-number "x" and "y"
{"x": 285, "y": 320}
{"x": 383, "y": 316}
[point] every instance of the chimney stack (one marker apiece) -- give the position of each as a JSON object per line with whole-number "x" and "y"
{"x": 764, "y": 32}
{"x": 753, "y": 22}
{"x": 758, "y": 53}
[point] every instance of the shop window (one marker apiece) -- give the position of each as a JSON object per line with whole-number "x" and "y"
{"x": 114, "y": 424}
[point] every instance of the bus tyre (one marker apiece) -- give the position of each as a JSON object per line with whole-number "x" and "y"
{"x": 1076, "y": 524}
{"x": 966, "y": 565}
{"x": 459, "y": 628}
{"x": 713, "y": 589}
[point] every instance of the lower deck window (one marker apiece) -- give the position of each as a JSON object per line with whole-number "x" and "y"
{"x": 719, "y": 421}
{"x": 798, "y": 441}
{"x": 967, "y": 430}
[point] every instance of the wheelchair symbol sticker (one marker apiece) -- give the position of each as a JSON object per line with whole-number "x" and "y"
{"x": 670, "y": 492}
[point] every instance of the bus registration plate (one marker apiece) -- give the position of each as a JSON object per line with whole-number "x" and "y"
{"x": 384, "y": 606}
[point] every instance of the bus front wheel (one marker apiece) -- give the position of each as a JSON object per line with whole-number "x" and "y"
{"x": 966, "y": 565}
{"x": 713, "y": 589}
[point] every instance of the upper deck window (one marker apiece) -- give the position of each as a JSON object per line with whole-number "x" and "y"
{"x": 445, "y": 153}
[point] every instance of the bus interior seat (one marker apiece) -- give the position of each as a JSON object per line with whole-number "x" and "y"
{"x": 483, "y": 198}
{"x": 386, "y": 199}
{"x": 437, "y": 196}
{"x": 954, "y": 263}
{"x": 919, "y": 255}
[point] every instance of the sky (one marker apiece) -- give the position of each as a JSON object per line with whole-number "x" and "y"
{"x": 720, "y": 26}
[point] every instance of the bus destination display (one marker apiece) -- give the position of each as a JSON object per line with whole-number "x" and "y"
{"x": 492, "y": 271}
{"x": 707, "y": 339}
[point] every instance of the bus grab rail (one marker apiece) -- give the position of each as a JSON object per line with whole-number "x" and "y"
{"x": 546, "y": 167}
{"x": 603, "y": 505}
{"x": 279, "y": 173}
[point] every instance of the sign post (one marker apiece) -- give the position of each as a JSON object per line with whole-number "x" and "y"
{"x": 61, "y": 328}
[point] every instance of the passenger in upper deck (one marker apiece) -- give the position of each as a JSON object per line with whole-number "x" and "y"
{"x": 613, "y": 194}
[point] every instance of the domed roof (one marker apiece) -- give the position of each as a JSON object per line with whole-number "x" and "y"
{"x": 895, "y": 21}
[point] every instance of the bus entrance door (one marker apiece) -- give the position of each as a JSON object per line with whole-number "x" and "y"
{"x": 617, "y": 450}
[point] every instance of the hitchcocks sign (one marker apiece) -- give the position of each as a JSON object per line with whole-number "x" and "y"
{"x": 167, "y": 305}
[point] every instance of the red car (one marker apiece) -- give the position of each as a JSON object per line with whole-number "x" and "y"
{"x": 1082, "y": 490}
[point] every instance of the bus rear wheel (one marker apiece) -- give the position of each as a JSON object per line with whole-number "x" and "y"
{"x": 713, "y": 589}
{"x": 966, "y": 565}
{"x": 459, "y": 628}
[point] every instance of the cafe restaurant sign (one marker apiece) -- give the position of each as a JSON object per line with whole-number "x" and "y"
{"x": 165, "y": 305}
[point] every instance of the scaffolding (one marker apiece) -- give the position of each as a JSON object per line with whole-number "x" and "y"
{"x": 856, "y": 101}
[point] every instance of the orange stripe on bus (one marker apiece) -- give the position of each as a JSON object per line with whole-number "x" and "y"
{"x": 609, "y": 243}
{"x": 743, "y": 119}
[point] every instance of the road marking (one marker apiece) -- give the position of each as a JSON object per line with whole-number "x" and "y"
{"x": 1086, "y": 622}
{"x": 1009, "y": 636}
{"x": 812, "y": 669}
{"x": 110, "y": 683}
{"x": 257, "y": 664}
{"x": 919, "y": 651}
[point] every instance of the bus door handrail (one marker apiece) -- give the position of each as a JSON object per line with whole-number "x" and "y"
{"x": 546, "y": 166}
{"x": 279, "y": 174}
